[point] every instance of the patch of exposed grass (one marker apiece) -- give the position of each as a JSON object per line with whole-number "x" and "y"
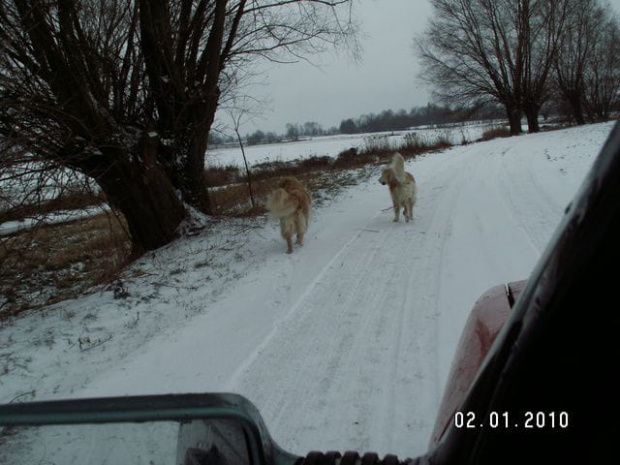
{"x": 73, "y": 200}
{"x": 495, "y": 132}
{"x": 56, "y": 262}
{"x": 222, "y": 175}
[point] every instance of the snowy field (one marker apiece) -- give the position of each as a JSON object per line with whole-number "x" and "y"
{"x": 343, "y": 345}
{"x": 332, "y": 145}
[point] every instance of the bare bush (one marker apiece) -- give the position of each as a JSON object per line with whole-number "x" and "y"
{"x": 493, "y": 50}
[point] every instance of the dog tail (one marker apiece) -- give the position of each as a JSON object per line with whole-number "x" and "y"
{"x": 398, "y": 165}
{"x": 280, "y": 204}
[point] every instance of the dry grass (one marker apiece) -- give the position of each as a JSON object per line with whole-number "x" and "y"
{"x": 53, "y": 263}
{"x": 68, "y": 201}
{"x": 495, "y": 132}
{"x": 222, "y": 175}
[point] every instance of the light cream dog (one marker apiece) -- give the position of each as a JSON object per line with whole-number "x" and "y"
{"x": 402, "y": 185}
{"x": 291, "y": 204}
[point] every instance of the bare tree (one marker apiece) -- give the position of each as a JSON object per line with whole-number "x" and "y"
{"x": 493, "y": 50}
{"x": 125, "y": 91}
{"x": 540, "y": 25}
{"x": 468, "y": 54}
{"x": 571, "y": 61}
{"x": 587, "y": 66}
{"x": 602, "y": 73}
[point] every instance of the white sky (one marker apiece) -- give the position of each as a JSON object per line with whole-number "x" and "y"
{"x": 339, "y": 87}
{"x": 386, "y": 77}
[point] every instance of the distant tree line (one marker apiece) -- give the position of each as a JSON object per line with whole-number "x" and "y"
{"x": 523, "y": 55}
{"x": 387, "y": 120}
{"x": 308, "y": 129}
{"x": 293, "y": 132}
{"x": 254, "y": 138}
{"x": 431, "y": 114}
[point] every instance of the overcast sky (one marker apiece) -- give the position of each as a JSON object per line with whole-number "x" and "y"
{"x": 340, "y": 88}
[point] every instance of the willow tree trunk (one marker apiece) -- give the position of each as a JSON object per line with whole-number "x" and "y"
{"x": 188, "y": 174}
{"x": 188, "y": 170}
{"x": 148, "y": 201}
{"x": 531, "y": 114}
{"x": 514, "y": 119}
{"x": 576, "y": 105}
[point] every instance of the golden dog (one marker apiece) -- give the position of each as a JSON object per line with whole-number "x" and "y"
{"x": 402, "y": 185}
{"x": 291, "y": 204}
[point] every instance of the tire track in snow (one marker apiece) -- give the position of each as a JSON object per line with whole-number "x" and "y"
{"x": 282, "y": 277}
{"x": 336, "y": 344}
{"x": 517, "y": 181}
{"x": 488, "y": 227}
{"x": 434, "y": 221}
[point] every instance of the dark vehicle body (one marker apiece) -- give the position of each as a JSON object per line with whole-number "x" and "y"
{"x": 534, "y": 380}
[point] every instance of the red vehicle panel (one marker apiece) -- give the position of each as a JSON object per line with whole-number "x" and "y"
{"x": 483, "y": 324}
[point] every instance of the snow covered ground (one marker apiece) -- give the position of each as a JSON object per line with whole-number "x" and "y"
{"x": 346, "y": 343}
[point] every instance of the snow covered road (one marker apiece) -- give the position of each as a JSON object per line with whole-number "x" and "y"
{"x": 346, "y": 343}
{"x": 365, "y": 348}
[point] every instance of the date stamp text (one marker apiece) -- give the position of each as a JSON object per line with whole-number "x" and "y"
{"x": 515, "y": 421}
